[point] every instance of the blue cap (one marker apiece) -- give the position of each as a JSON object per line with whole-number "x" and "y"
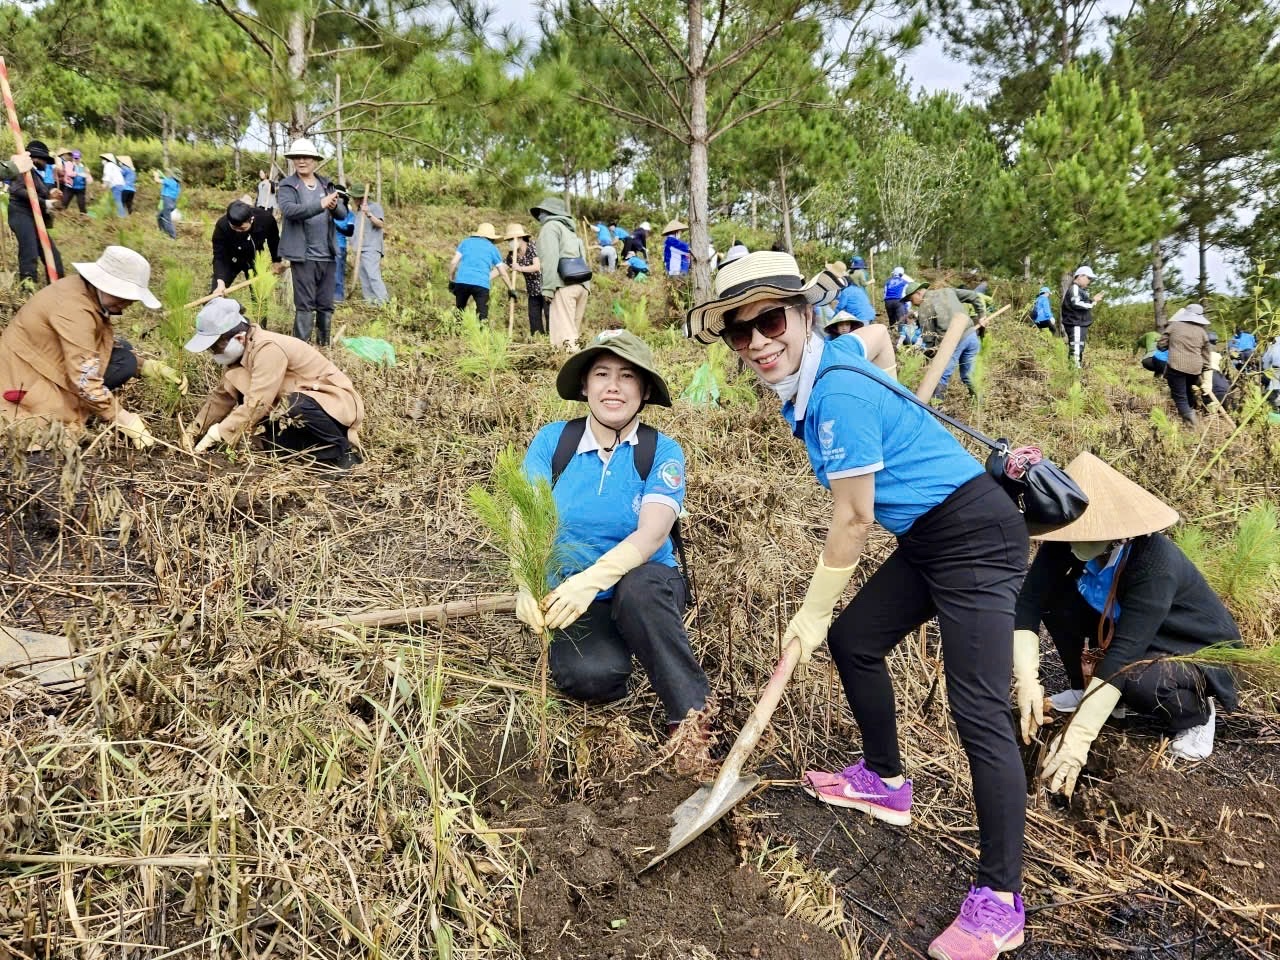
{"x": 857, "y": 263}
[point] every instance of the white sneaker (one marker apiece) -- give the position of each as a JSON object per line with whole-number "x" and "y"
{"x": 1068, "y": 700}
{"x": 1196, "y": 743}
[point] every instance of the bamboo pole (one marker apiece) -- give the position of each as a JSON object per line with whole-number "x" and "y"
{"x": 960, "y": 325}
{"x": 239, "y": 285}
{"x": 32, "y": 196}
{"x": 355, "y": 271}
{"x": 436, "y": 612}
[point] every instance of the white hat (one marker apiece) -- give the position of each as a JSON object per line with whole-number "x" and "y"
{"x": 764, "y": 275}
{"x": 220, "y": 315}
{"x": 1083, "y": 271}
{"x": 898, "y": 272}
{"x": 645, "y": 225}
{"x": 1191, "y": 313}
{"x": 121, "y": 272}
{"x": 302, "y": 147}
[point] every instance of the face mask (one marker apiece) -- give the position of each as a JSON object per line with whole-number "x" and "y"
{"x": 542, "y": 216}
{"x": 233, "y": 352}
{"x": 1088, "y": 549}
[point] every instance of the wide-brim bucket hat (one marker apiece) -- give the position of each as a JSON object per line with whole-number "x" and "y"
{"x": 674, "y": 226}
{"x": 121, "y": 272}
{"x": 39, "y": 150}
{"x": 219, "y": 316}
{"x": 622, "y": 344}
{"x": 1191, "y": 313}
{"x": 913, "y": 287}
{"x": 764, "y": 275}
{"x": 1118, "y": 508}
{"x": 62, "y": 152}
{"x": 552, "y": 205}
{"x": 838, "y": 268}
{"x": 515, "y": 231}
{"x": 302, "y": 147}
{"x": 486, "y": 232}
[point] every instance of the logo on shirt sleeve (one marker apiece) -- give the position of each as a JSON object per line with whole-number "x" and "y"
{"x": 827, "y": 435}
{"x": 672, "y": 474}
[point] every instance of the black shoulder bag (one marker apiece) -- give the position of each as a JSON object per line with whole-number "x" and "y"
{"x": 1047, "y": 497}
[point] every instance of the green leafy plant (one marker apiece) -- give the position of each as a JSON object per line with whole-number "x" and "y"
{"x": 634, "y": 316}
{"x": 262, "y": 287}
{"x": 486, "y": 346}
{"x": 1244, "y": 568}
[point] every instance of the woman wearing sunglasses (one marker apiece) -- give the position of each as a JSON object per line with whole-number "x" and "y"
{"x": 961, "y": 555}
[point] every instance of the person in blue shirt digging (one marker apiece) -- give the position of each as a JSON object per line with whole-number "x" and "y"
{"x": 619, "y": 486}
{"x": 961, "y": 555}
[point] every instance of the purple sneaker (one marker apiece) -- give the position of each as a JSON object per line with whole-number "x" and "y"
{"x": 861, "y": 789}
{"x": 985, "y": 928}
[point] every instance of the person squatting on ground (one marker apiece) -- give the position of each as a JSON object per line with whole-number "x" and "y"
{"x": 528, "y": 266}
{"x": 1186, "y": 339}
{"x": 471, "y": 270}
{"x": 1077, "y": 312}
{"x": 304, "y": 402}
{"x": 961, "y": 554}
{"x": 566, "y": 301}
{"x": 1042, "y": 315}
{"x": 238, "y": 237}
{"x": 935, "y": 310}
{"x": 1119, "y": 600}
{"x": 60, "y": 359}
{"x": 310, "y": 206}
{"x": 619, "y": 486}
{"x": 170, "y": 189}
{"x": 877, "y": 343}
{"x": 608, "y": 252}
{"x": 23, "y": 223}
{"x": 369, "y": 267}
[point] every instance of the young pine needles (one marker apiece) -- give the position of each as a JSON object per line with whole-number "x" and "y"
{"x": 262, "y": 287}
{"x": 486, "y": 350}
{"x": 1244, "y": 570}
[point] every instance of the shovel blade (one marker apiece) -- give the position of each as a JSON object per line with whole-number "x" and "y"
{"x": 700, "y": 811}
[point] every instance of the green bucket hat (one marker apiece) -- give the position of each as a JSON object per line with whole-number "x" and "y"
{"x": 622, "y": 344}
{"x": 913, "y": 286}
{"x": 552, "y": 205}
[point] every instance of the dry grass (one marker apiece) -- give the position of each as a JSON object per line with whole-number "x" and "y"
{"x": 229, "y": 784}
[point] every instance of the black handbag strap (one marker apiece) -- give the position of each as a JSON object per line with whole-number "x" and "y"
{"x": 968, "y": 431}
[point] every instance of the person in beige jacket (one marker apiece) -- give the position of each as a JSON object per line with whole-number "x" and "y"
{"x": 60, "y": 360}
{"x": 305, "y": 403}
{"x": 1187, "y": 340}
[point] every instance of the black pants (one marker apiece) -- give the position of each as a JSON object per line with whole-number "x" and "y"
{"x": 964, "y": 561}
{"x": 313, "y": 282}
{"x": 1180, "y": 387}
{"x": 30, "y": 256}
{"x": 537, "y": 314}
{"x": 591, "y": 660}
{"x": 462, "y": 292}
{"x": 305, "y": 427}
{"x": 122, "y": 367}
{"x": 126, "y": 197}
{"x": 1172, "y": 691}
{"x": 895, "y": 310}
{"x": 1076, "y": 336}
{"x": 73, "y": 193}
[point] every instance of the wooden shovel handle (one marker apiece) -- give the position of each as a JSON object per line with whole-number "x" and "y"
{"x": 760, "y": 717}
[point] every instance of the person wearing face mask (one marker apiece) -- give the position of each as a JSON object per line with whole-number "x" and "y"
{"x": 619, "y": 486}
{"x": 305, "y": 404}
{"x": 566, "y": 300}
{"x": 961, "y": 554}
{"x": 60, "y": 359}
{"x": 1119, "y": 599}
{"x": 22, "y": 222}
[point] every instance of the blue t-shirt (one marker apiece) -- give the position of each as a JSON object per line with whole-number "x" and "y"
{"x": 1244, "y": 340}
{"x": 343, "y": 229}
{"x": 130, "y": 178}
{"x": 621, "y": 234}
{"x": 1095, "y": 582}
{"x": 854, "y": 426}
{"x": 170, "y": 188}
{"x": 47, "y": 175}
{"x": 854, "y": 299}
{"x": 675, "y": 256}
{"x": 603, "y": 235}
{"x": 599, "y": 504}
{"x": 479, "y": 256}
{"x": 894, "y": 287}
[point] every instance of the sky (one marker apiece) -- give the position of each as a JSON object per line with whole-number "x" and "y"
{"x": 928, "y": 67}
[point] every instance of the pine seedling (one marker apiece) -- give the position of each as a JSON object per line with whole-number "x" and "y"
{"x": 1249, "y": 568}
{"x": 263, "y": 285}
{"x": 176, "y": 326}
{"x": 486, "y": 346}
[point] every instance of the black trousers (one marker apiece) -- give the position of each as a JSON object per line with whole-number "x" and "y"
{"x": 537, "y": 314}
{"x": 126, "y": 197}
{"x": 895, "y": 310}
{"x": 964, "y": 561}
{"x": 591, "y": 660}
{"x": 73, "y": 193}
{"x": 462, "y": 292}
{"x": 313, "y": 286}
{"x": 1076, "y": 337}
{"x": 30, "y": 256}
{"x": 1174, "y": 692}
{"x": 305, "y": 427}
{"x": 1180, "y": 388}
{"x": 122, "y": 367}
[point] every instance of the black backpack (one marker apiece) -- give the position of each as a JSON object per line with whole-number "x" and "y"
{"x": 646, "y": 450}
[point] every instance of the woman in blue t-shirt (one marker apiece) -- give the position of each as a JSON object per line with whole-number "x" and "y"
{"x": 472, "y": 268}
{"x": 619, "y": 488}
{"x": 961, "y": 555}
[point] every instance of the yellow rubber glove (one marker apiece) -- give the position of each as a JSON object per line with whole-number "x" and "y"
{"x": 1026, "y": 682}
{"x": 133, "y": 427}
{"x": 813, "y": 619}
{"x": 213, "y": 436}
{"x": 567, "y": 602}
{"x": 528, "y": 612}
{"x": 155, "y": 370}
{"x": 1069, "y": 752}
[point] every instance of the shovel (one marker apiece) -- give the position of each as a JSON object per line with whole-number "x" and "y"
{"x": 709, "y": 804}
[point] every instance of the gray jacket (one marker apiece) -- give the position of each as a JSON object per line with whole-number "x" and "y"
{"x": 297, "y": 206}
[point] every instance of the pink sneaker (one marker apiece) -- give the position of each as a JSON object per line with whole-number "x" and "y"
{"x": 861, "y": 789}
{"x": 985, "y": 928}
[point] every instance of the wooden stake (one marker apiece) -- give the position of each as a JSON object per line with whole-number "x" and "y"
{"x": 238, "y": 285}
{"x": 960, "y": 325}
{"x": 434, "y": 613}
{"x": 360, "y": 241}
{"x": 32, "y": 197}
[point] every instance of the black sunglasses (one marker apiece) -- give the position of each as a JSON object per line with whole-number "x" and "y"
{"x": 771, "y": 324}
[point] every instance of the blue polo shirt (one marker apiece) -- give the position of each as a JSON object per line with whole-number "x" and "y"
{"x": 853, "y": 425}
{"x": 170, "y": 188}
{"x": 479, "y": 256}
{"x": 853, "y": 299}
{"x": 598, "y": 503}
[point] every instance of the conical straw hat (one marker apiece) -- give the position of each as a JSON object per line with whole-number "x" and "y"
{"x": 1118, "y": 508}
